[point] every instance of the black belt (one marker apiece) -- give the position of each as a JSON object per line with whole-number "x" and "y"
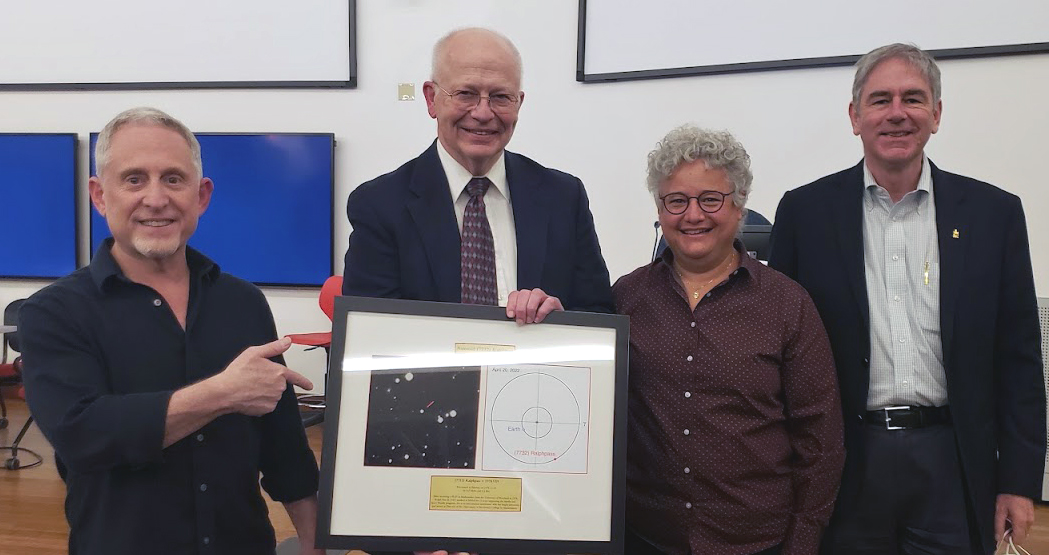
{"x": 905, "y": 418}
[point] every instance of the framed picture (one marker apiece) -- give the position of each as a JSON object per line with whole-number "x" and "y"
{"x": 449, "y": 426}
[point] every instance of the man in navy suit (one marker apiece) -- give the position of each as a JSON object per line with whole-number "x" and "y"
{"x": 406, "y": 224}
{"x": 923, "y": 279}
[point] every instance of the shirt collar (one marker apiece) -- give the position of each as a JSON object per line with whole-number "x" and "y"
{"x": 746, "y": 263}
{"x": 458, "y": 176}
{"x": 104, "y": 267}
{"x": 870, "y": 186}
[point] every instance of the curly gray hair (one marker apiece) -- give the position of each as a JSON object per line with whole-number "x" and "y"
{"x": 717, "y": 149}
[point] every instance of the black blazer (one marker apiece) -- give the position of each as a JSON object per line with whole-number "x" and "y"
{"x": 405, "y": 239}
{"x": 988, "y": 322}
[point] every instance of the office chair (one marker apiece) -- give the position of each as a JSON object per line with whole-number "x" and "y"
{"x": 13, "y": 462}
{"x": 314, "y": 404}
{"x": 10, "y": 374}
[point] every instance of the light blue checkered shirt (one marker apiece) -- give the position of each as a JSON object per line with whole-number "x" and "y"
{"x": 902, "y": 266}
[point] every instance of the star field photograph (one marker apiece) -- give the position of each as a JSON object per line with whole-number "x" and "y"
{"x": 423, "y": 417}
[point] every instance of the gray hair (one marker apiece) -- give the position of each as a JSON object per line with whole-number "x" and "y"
{"x": 918, "y": 58}
{"x": 442, "y": 44}
{"x": 717, "y": 149}
{"x": 148, "y": 116}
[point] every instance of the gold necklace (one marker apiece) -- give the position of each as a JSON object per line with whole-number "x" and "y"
{"x": 719, "y": 269}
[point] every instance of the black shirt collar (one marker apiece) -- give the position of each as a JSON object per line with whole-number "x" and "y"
{"x": 104, "y": 267}
{"x": 746, "y": 262}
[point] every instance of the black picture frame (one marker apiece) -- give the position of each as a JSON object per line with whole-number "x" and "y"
{"x": 371, "y": 322}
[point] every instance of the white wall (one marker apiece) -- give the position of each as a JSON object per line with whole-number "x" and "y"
{"x": 793, "y": 123}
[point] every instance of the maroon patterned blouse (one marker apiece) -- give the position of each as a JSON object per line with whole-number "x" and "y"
{"x": 735, "y": 429}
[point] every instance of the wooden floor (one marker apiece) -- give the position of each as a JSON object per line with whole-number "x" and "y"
{"x": 31, "y": 519}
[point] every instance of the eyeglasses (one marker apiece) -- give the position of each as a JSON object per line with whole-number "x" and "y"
{"x": 468, "y": 100}
{"x": 708, "y": 201}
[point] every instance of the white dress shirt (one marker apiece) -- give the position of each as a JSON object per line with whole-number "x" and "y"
{"x": 500, "y": 215}
{"x": 902, "y": 265}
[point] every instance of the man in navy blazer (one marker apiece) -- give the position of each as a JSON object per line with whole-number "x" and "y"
{"x": 405, "y": 242}
{"x": 406, "y": 224}
{"x": 923, "y": 279}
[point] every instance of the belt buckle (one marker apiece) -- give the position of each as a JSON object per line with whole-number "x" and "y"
{"x": 888, "y": 419}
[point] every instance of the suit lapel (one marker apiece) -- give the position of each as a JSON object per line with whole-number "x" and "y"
{"x": 952, "y": 215}
{"x": 433, "y": 212}
{"x": 848, "y": 225}
{"x": 530, "y": 220}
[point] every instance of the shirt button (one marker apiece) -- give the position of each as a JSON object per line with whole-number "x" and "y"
{"x": 688, "y": 505}
{"x": 203, "y": 487}
{"x": 157, "y": 302}
{"x": 687, "y": 470}
{"x": 693, "y": 324}
{"x": 689, "y": 358}
{"x": 200, "y": 437}
{"x": 687, "y": 432}
{"x": 895, "y": 257}
{"x": 904, "y": 382}
{"x": 688, "y": 394}
{"x": 902, "y": 340}
{"x": 206, "y": 540}
{"x": 896, "y": 298}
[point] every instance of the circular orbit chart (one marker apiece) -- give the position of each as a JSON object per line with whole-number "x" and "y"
{"x": 536, "y": 418}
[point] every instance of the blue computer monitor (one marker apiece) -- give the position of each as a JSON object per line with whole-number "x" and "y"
{"x": 271, "y": 216}
{"x": 38, "y": 229}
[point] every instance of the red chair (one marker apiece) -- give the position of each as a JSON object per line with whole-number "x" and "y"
{"x": 10, "y": 372}
{"x": 314, "y": 404}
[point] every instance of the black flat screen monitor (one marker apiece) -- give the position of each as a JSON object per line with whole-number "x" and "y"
{"x": 270, "y": 218}
{"x": 38, "y": 231}
{"x": 756, "y": 239}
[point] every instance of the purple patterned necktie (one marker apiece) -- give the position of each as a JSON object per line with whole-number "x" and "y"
{"x": 477, "y": 254}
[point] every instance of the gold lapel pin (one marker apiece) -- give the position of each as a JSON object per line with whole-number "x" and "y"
{"x": 955, "y": 233}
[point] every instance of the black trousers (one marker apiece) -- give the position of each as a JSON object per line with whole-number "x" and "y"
{"x": 910, "y": 501}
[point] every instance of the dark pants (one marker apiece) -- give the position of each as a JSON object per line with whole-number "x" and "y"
{"x": 635, "y": 545}
{"x": 911, "y": 500}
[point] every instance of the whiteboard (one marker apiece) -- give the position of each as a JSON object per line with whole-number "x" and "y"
{"x": 131, "y": 44}
{"x": 626, "y": 39}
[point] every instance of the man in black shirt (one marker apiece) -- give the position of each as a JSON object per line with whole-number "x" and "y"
{"x": 158, "y": 378}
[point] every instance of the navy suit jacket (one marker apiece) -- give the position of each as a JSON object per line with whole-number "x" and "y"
{"x": 988, "y": 323}
{"x": 405, "y": 239}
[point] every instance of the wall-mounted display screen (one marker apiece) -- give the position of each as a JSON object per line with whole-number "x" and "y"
{"x": 38, "y": 195}
{"x": 228, "y": 44}
{"x": 270, "y": 218}
{"x": 619, "y": 41}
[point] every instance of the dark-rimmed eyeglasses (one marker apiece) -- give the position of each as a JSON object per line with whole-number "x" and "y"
{"x": 708, "y": 201}
{"x": 468, "y": 100}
